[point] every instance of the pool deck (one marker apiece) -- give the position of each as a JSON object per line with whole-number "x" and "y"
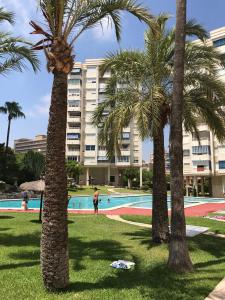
{"x": 198, "y": 210}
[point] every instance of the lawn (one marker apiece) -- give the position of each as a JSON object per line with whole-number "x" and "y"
{"x": 215, "y": 226}
{"x": 95, "y": 242}
{"x": 88, "y": 190}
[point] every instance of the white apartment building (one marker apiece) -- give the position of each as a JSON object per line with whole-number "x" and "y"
{"x": 85, "y": 91}
{"x": 38, "y": 144}
{"x": 206, "y": 161}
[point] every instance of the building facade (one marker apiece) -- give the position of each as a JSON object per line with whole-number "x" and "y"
{"x": 37, "y": 144}
{"x": 204, "y": 162}
{"x": 86, "y": 89}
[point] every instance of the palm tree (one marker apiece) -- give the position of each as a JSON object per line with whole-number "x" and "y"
{"x": 65, "y": 21}
{"x": 179, "y": 259}
{"x": 14, "y": 111}
{"x": 144, "y": 93}
{"x": 14, "y": 51}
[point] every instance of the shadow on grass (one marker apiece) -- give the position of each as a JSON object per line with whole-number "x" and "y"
{"x": 36, "y": 221}
{"x": 19, "y": 265}
{"x": 108, "y": 250}
{"x": 6, "y": 217}
{"x": 152, "y": 283}
{"x": 4, "y": 229}
{"x": 9, "y": 240}
{"x": 144, "y": 236}
{"x": 210, "y": 244}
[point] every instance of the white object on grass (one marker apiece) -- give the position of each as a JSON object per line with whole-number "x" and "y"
{"x": 122, "y": 264}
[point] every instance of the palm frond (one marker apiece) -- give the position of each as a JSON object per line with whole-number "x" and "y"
{"x": 6, "y": 16}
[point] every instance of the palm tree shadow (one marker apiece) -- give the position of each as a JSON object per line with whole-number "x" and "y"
{"x": 6, "y": 217}
{"x": 143, "y": 236}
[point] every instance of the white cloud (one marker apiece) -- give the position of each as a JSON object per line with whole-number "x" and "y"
{"x": 24, "y": 11}
{"x": 104, "y": 31}
{"x": 40, "y": 109}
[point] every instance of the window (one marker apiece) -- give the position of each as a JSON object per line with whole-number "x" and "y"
{"x": 123, "y": 159}
{"x": 200, "y": 168}
{"x": 89, "y": 158}
{"x": 73, "y": 103}
{"x": 91, "y": 68}
{"x": 73, "y": 147}
{"x": 74, "y": 81}
{"x": 91, "y": 134}
{"x": 73, "y": 136}
{"x": 136, "y": 160}
{"x": 91, "y": 80}
{"x": 202, "y": 135}
{"x": 126, "y": 147}
{"x": 74, "y": 158}
{"x": 74, "y": 114}
{"x": 199, "y": 150}
{"x": 125, "y": 135}
{"x": 74, "y": 125}
{"x": 73, "y": 92}
{"x": 186, "y": 152}
{"x": 76, "y": 71}
{"x": 222, "y": 164}
{"x": 90, "y": 147}
{"x": 112, "y": 179}
{"x": 205, "y": 163}
{"x": 102, "y": 159}
{"x": 219, "y": 43}
{"x": 101, "y": 148}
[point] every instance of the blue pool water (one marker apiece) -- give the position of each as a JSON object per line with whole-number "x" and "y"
{"x": 85, "y": 202}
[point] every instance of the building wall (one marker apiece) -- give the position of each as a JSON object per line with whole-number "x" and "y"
{"x": 37, "y": 144}
{"x": 86, "y": 89}
{"x": 207, "y": 159}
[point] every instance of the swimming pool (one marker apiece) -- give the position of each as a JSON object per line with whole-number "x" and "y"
{"x": 109, "y": 202}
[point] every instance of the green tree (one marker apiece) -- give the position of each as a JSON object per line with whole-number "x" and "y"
{"x": 141, "y": 89}
{"x": 33, "y": 163}
{"x": 130, "y": 174}
{"x": 11, "y": 167}
{"x": 65, "y": 21}
{"x": 179, "y": 258}
{"x": 74, "y": 170}
{"x": 15, "y": 52}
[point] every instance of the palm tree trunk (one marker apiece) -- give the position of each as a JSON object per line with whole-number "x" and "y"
{"x": 54, "y": 239}
{"x": 8, "y": 132}
{"x": 179, "y": 259}
{"x": 6, "y": 150}
{"x": 160, "y": 224}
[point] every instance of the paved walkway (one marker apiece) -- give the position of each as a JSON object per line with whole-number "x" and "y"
{"x": 218, "y": 293}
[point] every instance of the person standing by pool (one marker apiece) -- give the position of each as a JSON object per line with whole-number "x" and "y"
{"x": 25, "y": 197}
{"x": 95, "y": 200}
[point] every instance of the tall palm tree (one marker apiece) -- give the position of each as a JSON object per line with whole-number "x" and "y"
{"x": 65, "y": 21}
{"x": 144, "y": 93}
{"x": 179, "y": 258}
{"x": 14, "y": 111}
{"x": 14, "y": 51}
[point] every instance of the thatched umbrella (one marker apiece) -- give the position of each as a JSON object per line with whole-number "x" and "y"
{"x": 39, "y": 186}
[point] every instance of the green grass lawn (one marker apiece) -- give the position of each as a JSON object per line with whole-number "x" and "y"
{"x": 95, "y": 242}
{"x": 131, "y": 191}
{"x": 215, "y": 226}
{"x": 88, "y": 190}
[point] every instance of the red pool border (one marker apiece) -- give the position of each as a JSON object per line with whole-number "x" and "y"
{"x": 198, "y": 210}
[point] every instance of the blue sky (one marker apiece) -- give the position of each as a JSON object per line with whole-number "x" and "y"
{"x": 32, "y": 91}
